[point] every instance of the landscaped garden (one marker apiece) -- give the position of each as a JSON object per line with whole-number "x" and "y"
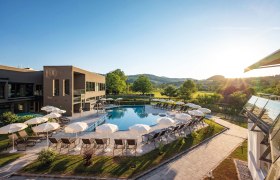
{"x": 226, "y": 169}
{"x": 122, "y": 167}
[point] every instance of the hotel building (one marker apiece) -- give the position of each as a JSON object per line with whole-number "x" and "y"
{"x": 263, "y": 115}
{"x": 67, "y": 87}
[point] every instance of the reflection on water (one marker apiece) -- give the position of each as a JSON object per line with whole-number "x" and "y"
{"x": 127, "y": 116}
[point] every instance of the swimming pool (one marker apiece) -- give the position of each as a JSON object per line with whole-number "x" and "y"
{"x": 126, "y": 116}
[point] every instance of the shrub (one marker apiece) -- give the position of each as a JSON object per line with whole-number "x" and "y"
{"x": 8, "y": 118}
{"x": 46, "y": 156}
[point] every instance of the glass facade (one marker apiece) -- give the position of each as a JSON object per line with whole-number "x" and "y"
{"x": 90, "y": 86}
{"x": 56, "y": 87}
{"x": 67, "y": 87}
{"x": 2, "y": 90}
{"x": 20, "y": 90}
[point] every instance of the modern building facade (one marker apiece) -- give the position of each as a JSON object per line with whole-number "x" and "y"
{"x": 66, "y": 87}
{"x": 264, "y": 128}
{"x": 21, "y": 90}
{"x": 71, "y": 88}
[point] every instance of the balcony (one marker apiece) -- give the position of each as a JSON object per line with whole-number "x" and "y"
{"x": 79, "y": 92}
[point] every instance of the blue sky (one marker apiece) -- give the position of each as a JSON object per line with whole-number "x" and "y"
{"x": 177, "y": 38}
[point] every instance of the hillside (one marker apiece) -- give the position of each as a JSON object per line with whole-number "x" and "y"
{"x": 156, "y": 79}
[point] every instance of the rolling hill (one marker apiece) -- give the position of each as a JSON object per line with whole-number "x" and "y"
{"x": 157, "y": 79}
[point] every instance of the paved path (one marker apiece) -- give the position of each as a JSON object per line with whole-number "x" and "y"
{"x": 197, "y": 163}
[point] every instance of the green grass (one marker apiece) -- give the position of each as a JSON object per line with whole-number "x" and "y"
{"x": 104, "y": 166}
{"x": 226, "y": 169}
{"x": 233, "y": 120}
{"x": 194, "y": 95}
{"x": 7, "y": 158}
{"x": 3, "y": 142}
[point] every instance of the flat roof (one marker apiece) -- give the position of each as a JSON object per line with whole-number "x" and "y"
{"x": 272, "y": 60}
{"x": 11, "y": 68}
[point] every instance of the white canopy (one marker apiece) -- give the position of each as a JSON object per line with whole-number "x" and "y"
{"x": 103, "y": 99}
{"x": 205, "y": 110}
{"x": 183, "y": 116}
{"x": 170, "y": 101}
{"x": 165, "y": 121}
{"x": 53, "y": 115}
{"x": 195, "y": 106}
{"x": 196, "y": 113}
{"x": 76, "y": 127}
{"x": 11, "y": 128}
{"x": 110, "y": 99}
{"x": 119, "y": 99}
{"x": 140, "y": 128}
{"x": 59, "y": 111}
{"x": 46, "y": 127}
{"x": 155, "y": 99}
{"x": 36, "y": 120}
{"x": 107, "y": 128}
{"x": 180, "y": 103}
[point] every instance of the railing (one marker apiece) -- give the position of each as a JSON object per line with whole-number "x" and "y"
{"x": 78, "y": 92}
{"x": 77, "y": 99}
{"x": 97, "y": 123}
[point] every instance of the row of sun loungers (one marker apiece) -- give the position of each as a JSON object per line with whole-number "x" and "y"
{"x": 170, "y": 107}
{"x": 93, "y": 144}
{"x": 163, "y": 134}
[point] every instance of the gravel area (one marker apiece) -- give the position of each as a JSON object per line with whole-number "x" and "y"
{"x": 242, "y": 170}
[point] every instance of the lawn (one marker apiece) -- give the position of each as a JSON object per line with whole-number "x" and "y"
{"x": 7, "y": 158}
{"x": 104, "y": 166}
{"x": 231, "y": 119}
{"x": 3, "y": 142}
{"x": 194, "y": 95}
{"x": 226, "y": 169}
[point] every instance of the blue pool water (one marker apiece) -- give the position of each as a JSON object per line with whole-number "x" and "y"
{"x": 126, "y": 116}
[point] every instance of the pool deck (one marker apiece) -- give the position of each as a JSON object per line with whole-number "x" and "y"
{"x": 88, "y": 117}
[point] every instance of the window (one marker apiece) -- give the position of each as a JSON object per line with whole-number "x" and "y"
{"x": 2, "y": 90}
{"x": 56, "y": 87}
{"x": 67, "y": 87}
{"x": 90, "y": 86}
{"x": 20, "y": 90}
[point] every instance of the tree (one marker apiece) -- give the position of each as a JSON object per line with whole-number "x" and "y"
{"x": 142, "y": 84}
{"x": 8, "y": 118}
{"x": 209, "y": 99}
{"x": 187, "y": 89}
{"x": 115, "y": 82}
{"x": 170, "y": 91}
{"x": 237, "y": 100}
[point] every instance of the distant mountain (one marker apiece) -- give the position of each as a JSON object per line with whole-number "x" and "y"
{"x": 217, "y": 78}
{"x": 157, "y": 79}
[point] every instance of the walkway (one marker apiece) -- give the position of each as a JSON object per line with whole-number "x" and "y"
{"x": 197, "y": 163}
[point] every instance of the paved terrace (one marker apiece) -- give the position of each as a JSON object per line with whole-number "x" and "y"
{"x": 90, "y": 118}
{"x": 198, "y": 162}
{"x": 212, "y": 153}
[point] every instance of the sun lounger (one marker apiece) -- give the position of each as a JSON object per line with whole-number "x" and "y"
{"x": 102, "y": 143}
{"x": 119, "y": 144}
{"x": 87, "y": 144}
{"x": 54, "y": 142}
{"x": 30, "y": 140}
{"x": 131, "y": 144}
{"x": 67, "y": 142}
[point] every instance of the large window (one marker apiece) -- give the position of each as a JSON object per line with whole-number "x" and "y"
{"x": 2, "y": 90}
{"x": 56, "y": 87}
{"x": 101, "y": 87}
{"x": 20, "y": 90}
{"x": 67, "y": 87}
{"x": 90, "y": 86}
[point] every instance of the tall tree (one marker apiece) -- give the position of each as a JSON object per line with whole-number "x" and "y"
{"x": 116, "y": 82}
{"x": 187, "y": 89}
{"x": 142, "y": 84}
{"x": 170, "y": 91}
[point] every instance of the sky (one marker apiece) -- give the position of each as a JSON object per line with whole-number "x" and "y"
{"x": 178, "y": 38}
